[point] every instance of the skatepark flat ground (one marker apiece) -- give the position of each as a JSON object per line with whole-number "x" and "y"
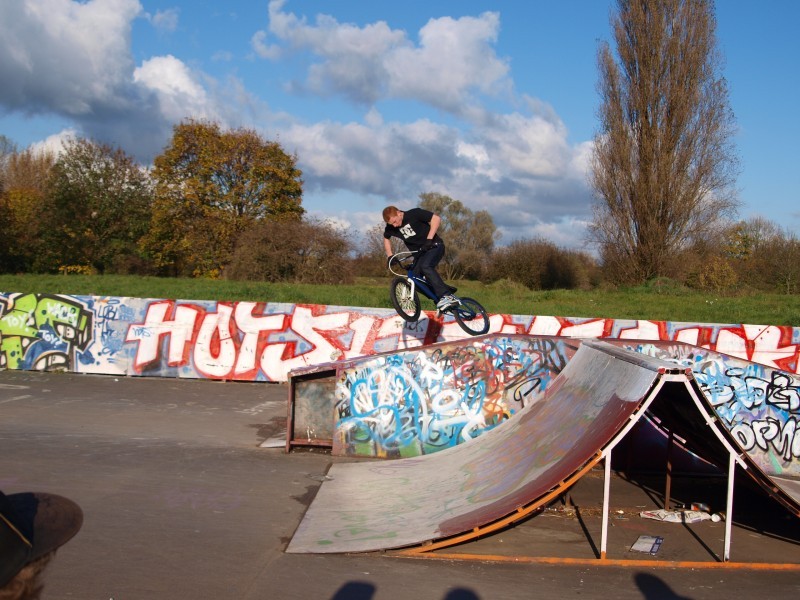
{"x": 181, "y": 502}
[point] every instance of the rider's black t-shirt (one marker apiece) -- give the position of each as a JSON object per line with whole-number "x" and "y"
{"x": 414, "y": 228}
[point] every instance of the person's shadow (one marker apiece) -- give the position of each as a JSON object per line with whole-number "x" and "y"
{"x": 655, "y": 588}
{"x": 355, "y": 590}
{"x": 461, "y": 594}
{"x": 360, "y": 590}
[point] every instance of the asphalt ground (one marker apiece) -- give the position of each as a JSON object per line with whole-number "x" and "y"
{"x": 181, "y": 502}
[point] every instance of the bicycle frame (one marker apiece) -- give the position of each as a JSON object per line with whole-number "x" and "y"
{"x": 417, "y": 281}
{"x": 467, "y": 312}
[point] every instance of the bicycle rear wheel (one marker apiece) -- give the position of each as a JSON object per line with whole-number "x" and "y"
{"x": 471, "y": 316}
{"x": 404, "y": 301}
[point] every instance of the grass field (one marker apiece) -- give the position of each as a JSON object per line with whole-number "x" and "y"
{"x": 664, "y": 301}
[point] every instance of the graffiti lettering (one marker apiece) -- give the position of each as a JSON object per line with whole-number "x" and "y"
{"x": 178, "y": 332}
{"x": 40, "y": 331}
{"x": 770, "y": 435}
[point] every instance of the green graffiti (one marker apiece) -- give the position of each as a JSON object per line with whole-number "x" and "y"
{"x": 31, "y": 318}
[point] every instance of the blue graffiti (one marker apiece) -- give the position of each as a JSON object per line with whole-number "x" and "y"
{"x": 430, "y": 399}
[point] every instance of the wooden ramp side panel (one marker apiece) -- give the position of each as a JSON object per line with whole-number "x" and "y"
{"x": 372, "y": 506}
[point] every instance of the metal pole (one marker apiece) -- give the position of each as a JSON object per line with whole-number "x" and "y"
{"x": 606, "y": 496}
{"x": 668, "y": 489}
{"x": 729, "y": 506}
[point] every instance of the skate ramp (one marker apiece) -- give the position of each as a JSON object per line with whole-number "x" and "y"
{"x": 506, "y": 473}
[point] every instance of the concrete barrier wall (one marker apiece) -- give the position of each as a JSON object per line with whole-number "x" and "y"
{"x": 250, "y": 341}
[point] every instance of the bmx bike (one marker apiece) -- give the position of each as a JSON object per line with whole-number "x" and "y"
{"x": 404, "y": 293}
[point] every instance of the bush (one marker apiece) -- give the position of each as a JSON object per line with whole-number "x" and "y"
{"x": 666, "y": 286}
{"x": 291, "y": 251}
{"x": 714, "y": 274}
{"x": 541, "y": 265}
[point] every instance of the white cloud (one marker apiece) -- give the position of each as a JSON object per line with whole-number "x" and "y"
{"x": 262, "y": 48}
{"x": 62, "y": 56}
{"x": 73, "y": 60}
{"x": 386, "y": 159}
{"x": 453, "y": 60}
{"x": 165, "y": 20}
{"x": 94, "y": 81}
{"x": 55, "y": 143}
{"x": 533, "y": 183}
{"x": 178, "y": 91}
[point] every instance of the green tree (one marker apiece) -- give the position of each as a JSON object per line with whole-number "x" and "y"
{"x": 744, "y": 239}
{"x": 210, "y": 186}
{"x": 99, "y": 208}
{"x": 663, "y": 165}
{"x": 469, "y": 236}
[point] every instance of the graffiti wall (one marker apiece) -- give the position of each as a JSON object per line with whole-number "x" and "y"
{"x": 759, "y": 405}
{"x": 421, "y": 401}
{"x": 257, "y": 341}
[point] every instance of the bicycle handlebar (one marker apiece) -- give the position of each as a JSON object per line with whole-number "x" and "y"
{"x": 405, "y": 255}
{"x": 398, "y": 258}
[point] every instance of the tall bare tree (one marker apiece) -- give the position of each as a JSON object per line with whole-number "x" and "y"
{"x": 664, "y": 165}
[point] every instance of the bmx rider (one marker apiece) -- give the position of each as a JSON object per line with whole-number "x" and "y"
{"x": 417, "y": 228}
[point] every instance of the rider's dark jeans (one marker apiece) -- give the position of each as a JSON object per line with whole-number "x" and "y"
{"x": 426, "y": 265}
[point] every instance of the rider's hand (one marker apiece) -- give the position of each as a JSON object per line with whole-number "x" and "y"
{"x": 427, "y": 245}
{"x": 389, "y": 262}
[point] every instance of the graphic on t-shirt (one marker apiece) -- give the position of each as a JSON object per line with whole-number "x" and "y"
{"x": 407, "y": 231}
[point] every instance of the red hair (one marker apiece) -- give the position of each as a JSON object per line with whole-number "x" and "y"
{"x": 389, "y": 212}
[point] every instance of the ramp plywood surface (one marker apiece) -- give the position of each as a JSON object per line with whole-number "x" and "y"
{"x": 381, "y": 505}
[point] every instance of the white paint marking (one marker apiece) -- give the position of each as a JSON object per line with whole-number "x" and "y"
{"x": 15, "y": 399}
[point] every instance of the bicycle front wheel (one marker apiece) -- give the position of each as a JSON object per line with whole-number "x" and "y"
{"x": 405, "y": 302}
{"x": 471, "y": 316}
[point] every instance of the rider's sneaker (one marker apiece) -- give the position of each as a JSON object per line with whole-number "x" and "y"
{"x": 446, "y": 302}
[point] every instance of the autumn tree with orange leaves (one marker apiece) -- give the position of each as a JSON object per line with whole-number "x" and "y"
{"x": 210, "y": 186}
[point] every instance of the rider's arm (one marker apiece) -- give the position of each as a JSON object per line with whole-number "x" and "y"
{"x": 435, "y": 220}
{"x": 387, "y": 245}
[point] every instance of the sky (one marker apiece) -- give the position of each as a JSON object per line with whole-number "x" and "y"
{"x": 491, "y": 102}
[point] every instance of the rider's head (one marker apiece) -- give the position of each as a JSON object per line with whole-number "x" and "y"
{"x": 390, "y": 213}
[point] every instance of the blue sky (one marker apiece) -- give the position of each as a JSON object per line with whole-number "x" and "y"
{"x": 490, "y": 102}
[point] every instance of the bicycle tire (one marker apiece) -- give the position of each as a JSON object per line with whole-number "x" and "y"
{"x": 407, "y": 305}
{"x": 471, "y": 316}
